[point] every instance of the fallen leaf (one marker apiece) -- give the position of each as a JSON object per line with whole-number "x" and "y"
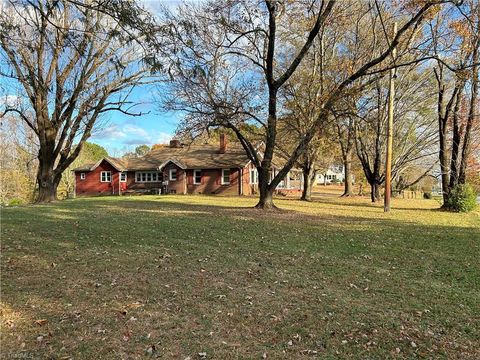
{"x": 134, "y": 305}
{"x": 41, "y": 322}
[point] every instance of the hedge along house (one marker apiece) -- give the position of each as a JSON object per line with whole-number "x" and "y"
{"x": 178, "y": 169}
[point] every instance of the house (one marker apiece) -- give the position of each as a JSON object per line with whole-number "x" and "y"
{"x": 334, "y": 174}
{"x": 177, "y": 169}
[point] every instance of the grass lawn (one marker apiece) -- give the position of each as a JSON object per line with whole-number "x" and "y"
{"x": 175, "y": 276}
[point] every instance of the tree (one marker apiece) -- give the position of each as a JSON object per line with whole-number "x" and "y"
{"x": 142, "y": 150}
{"x": 346, "y": 139}
{"x": 17, "y": 161}
{"x": 301, "y": 102}
{"x": 456, "y": 80}
{"x": 228, "y": 62}
{"x": 73, "y": 63}
{"x": 414, "y": 131}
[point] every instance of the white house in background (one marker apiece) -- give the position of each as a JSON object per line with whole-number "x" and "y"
{"x": 335, "y": 173}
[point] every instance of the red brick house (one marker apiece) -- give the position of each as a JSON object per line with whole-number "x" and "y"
{"x": 177, "y": 169}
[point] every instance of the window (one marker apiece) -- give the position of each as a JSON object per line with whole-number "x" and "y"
{"x": 197, "y": 177}
{"x": 173, "y": 174}
{"x": 146, "y": 176}
{"x": 82, "y": 176}
{"x": 106, "y": 176}
{"x": 225, "y": 176}
{"x": 123, "y": 177}
{"x": 253, "y": 176}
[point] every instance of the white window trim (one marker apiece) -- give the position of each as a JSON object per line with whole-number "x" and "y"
{"x": 151, "y": 176}
{"x": 223, "y": 176}
{"x": 254, "y": 178}
{"x": 195, "y": 176}
{"x": 170, "y": 172}
{"x": 121, "y": 174}
{"x": 109, "y": 176}
{"x": 82, "y": 176}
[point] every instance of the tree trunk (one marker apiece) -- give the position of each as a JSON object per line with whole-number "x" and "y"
{"x": 308, "y": 181}
{"x": 472, "y": 116}
{"x": 375, "y": 193}
{"x": 347, "y": 164}
{"x": 266, "y": 199}
{"x": 455, "y": 144}
{"x": 47, "y": 184}
{"x": 266, "y": 193}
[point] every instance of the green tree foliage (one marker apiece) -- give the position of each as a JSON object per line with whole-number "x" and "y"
{"x": 139, "y": 151}
{"x": 462, "y": 198}
{"x": 142, "y": 150}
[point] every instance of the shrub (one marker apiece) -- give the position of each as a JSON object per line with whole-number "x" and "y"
{"x": 462, "y": 198}
{"x": 427, "y": 195}
{"x": 16, "y": 202}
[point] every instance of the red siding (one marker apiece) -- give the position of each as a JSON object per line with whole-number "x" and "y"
{"x": 211, "y": 182}
{"x": 175, "y": 186}
{"x": 92, "y": 185}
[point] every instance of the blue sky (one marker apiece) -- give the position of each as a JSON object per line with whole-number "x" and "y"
{"x": 119, "y": 133}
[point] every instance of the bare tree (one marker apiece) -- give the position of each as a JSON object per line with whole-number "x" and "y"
{"x": 456, "y": 80}
{"x": 346, "y": 139}
{"x": 228, "y": 63}
{"x": 415, "y": 135}
{"x": 301, "y": 106}
{"x": 73, "y": 63}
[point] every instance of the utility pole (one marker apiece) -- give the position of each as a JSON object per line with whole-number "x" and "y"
{"x": 388, "y": 163}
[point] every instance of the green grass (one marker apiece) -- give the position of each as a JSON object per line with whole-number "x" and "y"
{"x": 174, "y": 276}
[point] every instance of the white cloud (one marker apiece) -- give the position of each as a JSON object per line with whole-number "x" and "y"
{"x": 136, "y": 131}
{"x": 130, "y": 134}
{"x": 164, "y": 138}
{"x": 112, "y": 132}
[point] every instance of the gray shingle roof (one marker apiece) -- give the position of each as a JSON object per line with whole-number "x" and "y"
{"x": 189, "y": 157}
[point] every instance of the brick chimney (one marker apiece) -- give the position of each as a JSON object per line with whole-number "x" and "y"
{"x": 223, "y": 143}
{"x": 175, "y": 143}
